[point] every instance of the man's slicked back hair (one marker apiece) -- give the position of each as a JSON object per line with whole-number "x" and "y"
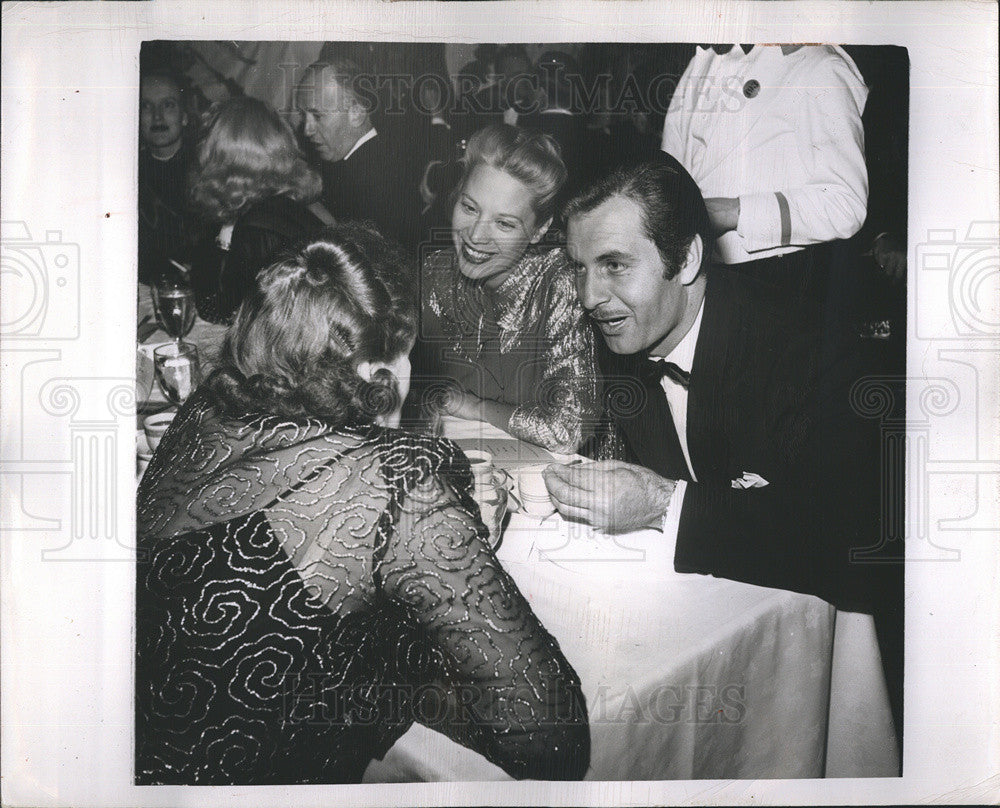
{"x": 673, "y": 209}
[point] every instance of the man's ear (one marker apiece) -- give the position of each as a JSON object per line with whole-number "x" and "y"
{"x": 692, "y": 262}
{"x": 541, "y": 231}
{"x": 356, "y": 114}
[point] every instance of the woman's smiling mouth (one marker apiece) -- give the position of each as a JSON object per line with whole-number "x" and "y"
{"x": 474, "y": 256}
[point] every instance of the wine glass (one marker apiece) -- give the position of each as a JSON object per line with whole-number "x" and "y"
{"x": 177, "y": 370}
{"x": 173, "y": 302}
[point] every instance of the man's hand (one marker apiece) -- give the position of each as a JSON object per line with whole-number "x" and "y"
{"x": 612, "y": 496}
{"x": 724, "y": 213}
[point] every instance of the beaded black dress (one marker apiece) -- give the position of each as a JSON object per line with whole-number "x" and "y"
{"x": 304, "y": 594}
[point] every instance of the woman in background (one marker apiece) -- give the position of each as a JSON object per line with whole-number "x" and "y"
{"x": 501, "y": 323}
{"x": 311, "y": 578}
{"x": 253, "y": 181}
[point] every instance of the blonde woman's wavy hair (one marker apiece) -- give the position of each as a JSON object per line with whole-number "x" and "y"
{"x": 249, "y": 153}
{"x": 533, "y": 158}
{"x": 344, "y": 297}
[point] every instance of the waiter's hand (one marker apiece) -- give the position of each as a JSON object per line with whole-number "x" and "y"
{"x": 612, "y": 496}
{"x": 724, "y": 213}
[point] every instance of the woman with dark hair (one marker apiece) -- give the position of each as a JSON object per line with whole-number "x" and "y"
{"x": 501, "y": 323}
{"x": 311, "y": 580}
{"x": 252, "y": 180}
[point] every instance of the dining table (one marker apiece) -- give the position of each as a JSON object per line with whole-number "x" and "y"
{"x": 686, "y": 676}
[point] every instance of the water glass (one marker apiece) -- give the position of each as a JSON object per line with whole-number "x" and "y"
{"x": 175, "y": 308}
{"x": 177, "y": 370}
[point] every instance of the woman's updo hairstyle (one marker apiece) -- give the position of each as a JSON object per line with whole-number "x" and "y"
{"x": 533, "y": 158}
{"x": 343, "y": 298}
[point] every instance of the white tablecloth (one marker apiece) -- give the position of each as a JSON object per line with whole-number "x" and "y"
{"x": 685, "y": 676}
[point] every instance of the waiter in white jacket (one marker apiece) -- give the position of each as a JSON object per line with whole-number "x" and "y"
{"x": 772, "y": 134}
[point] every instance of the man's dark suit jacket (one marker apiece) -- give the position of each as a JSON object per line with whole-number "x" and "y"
{"x": 377, "y": 183}
{"x": 762, "y": 399}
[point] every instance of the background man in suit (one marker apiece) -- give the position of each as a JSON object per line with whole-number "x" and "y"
{"x": 733, "y": 435}
{"x": 365, "y": 176}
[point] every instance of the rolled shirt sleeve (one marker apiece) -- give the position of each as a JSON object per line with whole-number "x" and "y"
{"x": 792, "y": 154}
{"x": 832, "y": 202}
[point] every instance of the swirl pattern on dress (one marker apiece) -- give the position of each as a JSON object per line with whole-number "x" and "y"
{"x": 305, "y": 594}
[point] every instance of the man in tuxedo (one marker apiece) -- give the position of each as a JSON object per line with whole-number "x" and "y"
{"x": 365, "y": 176}
{"x": 724, "y": 427}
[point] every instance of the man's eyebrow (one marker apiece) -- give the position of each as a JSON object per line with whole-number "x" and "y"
{"x": 613, "y": 255}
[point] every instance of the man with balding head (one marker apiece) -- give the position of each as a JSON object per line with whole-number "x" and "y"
{"x": 365, "y": 176}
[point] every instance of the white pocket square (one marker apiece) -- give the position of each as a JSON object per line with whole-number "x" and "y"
{"x": 749, "y": 480}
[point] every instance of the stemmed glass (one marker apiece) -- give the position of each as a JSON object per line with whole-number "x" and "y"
{"x": 177, "y": 370}
{"x": 173, "y": 301}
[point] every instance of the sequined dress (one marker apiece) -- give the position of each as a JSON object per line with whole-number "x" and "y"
{"x": 304, "y": 594}
{"x": 527, "y": 343}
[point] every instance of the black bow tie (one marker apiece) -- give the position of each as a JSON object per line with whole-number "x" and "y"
{"x": 656, "y": 370}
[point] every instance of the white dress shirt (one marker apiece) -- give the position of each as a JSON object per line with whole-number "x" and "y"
{"x": 677, "y": 399}
{"x": 780, "y": 129}
{"x": 361, "y": 141}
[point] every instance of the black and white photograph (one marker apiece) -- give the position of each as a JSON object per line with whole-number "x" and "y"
{"x": 644, "y": 288}
{"x": 472, "y": 405}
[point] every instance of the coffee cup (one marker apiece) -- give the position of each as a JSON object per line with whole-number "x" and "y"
{"x": 532, "y": 491}
{"x": 155, "y": 426}
{"x": 481, "y": 464}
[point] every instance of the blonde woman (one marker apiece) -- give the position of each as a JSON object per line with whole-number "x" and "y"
{"x": 502, "y": 329}
{"x": 253, "y": 181}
